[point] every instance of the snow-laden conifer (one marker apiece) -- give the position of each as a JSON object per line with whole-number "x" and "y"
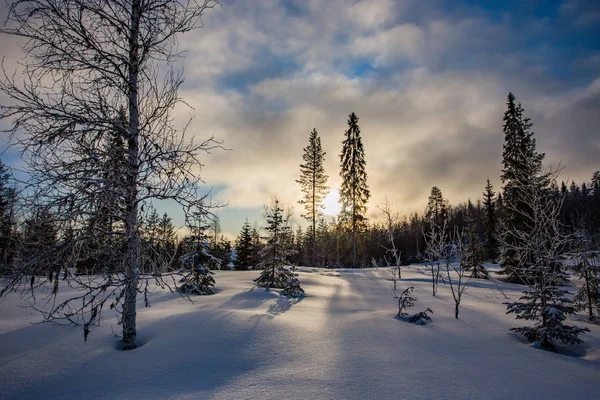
{"x": 274, "y": 255}
{"x": 293, "y": 288}
{"x": 197, "y": 262}
{"x": 354, "y": 191}
{"x": 538, "y": 249}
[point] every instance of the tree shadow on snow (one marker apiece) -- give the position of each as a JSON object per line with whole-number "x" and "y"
{"x": 250, "y": 299}
{"x": 283, "y": 304}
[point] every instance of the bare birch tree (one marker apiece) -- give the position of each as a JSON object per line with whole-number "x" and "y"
{"x": 96, "y": 69}
{"x": 456, "y": 270}
{"x": 391, "y": 220}
{"x": 436, "y": 241}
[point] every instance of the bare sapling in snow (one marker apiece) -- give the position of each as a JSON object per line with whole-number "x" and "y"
{"x": 436, "y": 242}
{"x": 96, "y": 74}
{"x": 539, "y": 251}
{"x": 456, "y": 271}
{"x": 393, "y": 255}
{"x": 405, "y": 301}
{"x": 395, "y": 275}
{"x": 277, "y": 249}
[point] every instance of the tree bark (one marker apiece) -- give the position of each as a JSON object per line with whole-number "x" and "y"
{"x": 132, "y": 271}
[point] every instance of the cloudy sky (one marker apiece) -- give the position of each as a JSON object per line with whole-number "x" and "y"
{"x": 428, "y": 80}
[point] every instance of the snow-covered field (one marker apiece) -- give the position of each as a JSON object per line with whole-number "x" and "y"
{"x": 339, "y": 342}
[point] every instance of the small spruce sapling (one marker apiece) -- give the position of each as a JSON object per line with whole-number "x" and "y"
{"x": 274, "y": 255}
{"x": 293, "y": 288}
{"x": 199, "y": 278}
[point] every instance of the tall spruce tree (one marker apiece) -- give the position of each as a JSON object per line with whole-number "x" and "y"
{"x": 354, "y": 192}
{"x": 313, "y": 182}
{"x": 520, "y": 161}
{"x": 492, "y": 246}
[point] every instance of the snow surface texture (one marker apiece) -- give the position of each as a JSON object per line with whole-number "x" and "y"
{"x": 341, "y": 341}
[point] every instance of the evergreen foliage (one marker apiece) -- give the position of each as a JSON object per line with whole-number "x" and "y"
{"x": 547, "y": 305}
{"x": 354, "y": 192}
{"x": 540, "y": 243}
{"x": 40, "y": 239}
{"x": 292, "y": 287}
{"x": 222, "y": 251}
{"x": 244, "y": 249}
{"x": 474, "y": 252}
{"x": 313, "y": 183}
{"x": 8, "y": 233}
{"x": 587, "y": 267}
{"x": 520, "y": 162}
{"x": 197, "y": 262}
{"x": 274, "y": 255}
{"x": 492, "y": 245}
{"x": 437, "y": 208}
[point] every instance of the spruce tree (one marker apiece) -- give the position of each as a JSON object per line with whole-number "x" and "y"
{"x": 244, "y": 249}
{"x": 540, "y": 244}
{"x": 520, "y": 161}
{"x": 198, "y": 261}
{"x": 223, "y": 252}
{"x": 166, "y": 236}
{"x": 474, "y": 252}
{"x": 40, "y": 237}
{"x": 257, "y": 247}
{"x": 293, "y": 288}
{"x": 313, "y": 183}
{"x": 7, "y": 219}
{"x": 595, "y": 208}
{"x": 492, "y": 246}
{"x": 274, "y": 256}
{"x": 354, "y": 192}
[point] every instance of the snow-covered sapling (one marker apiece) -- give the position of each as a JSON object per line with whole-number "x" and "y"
{"x": 406, "y": 300}
{"x": 293, "y": 288}
{"x": 199, "y": 281}
{"x": 420, "y": 318}
{"x": 197, "y": 263}
{"x": 392, "y": 219}
{"x": 456, "y": 269}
